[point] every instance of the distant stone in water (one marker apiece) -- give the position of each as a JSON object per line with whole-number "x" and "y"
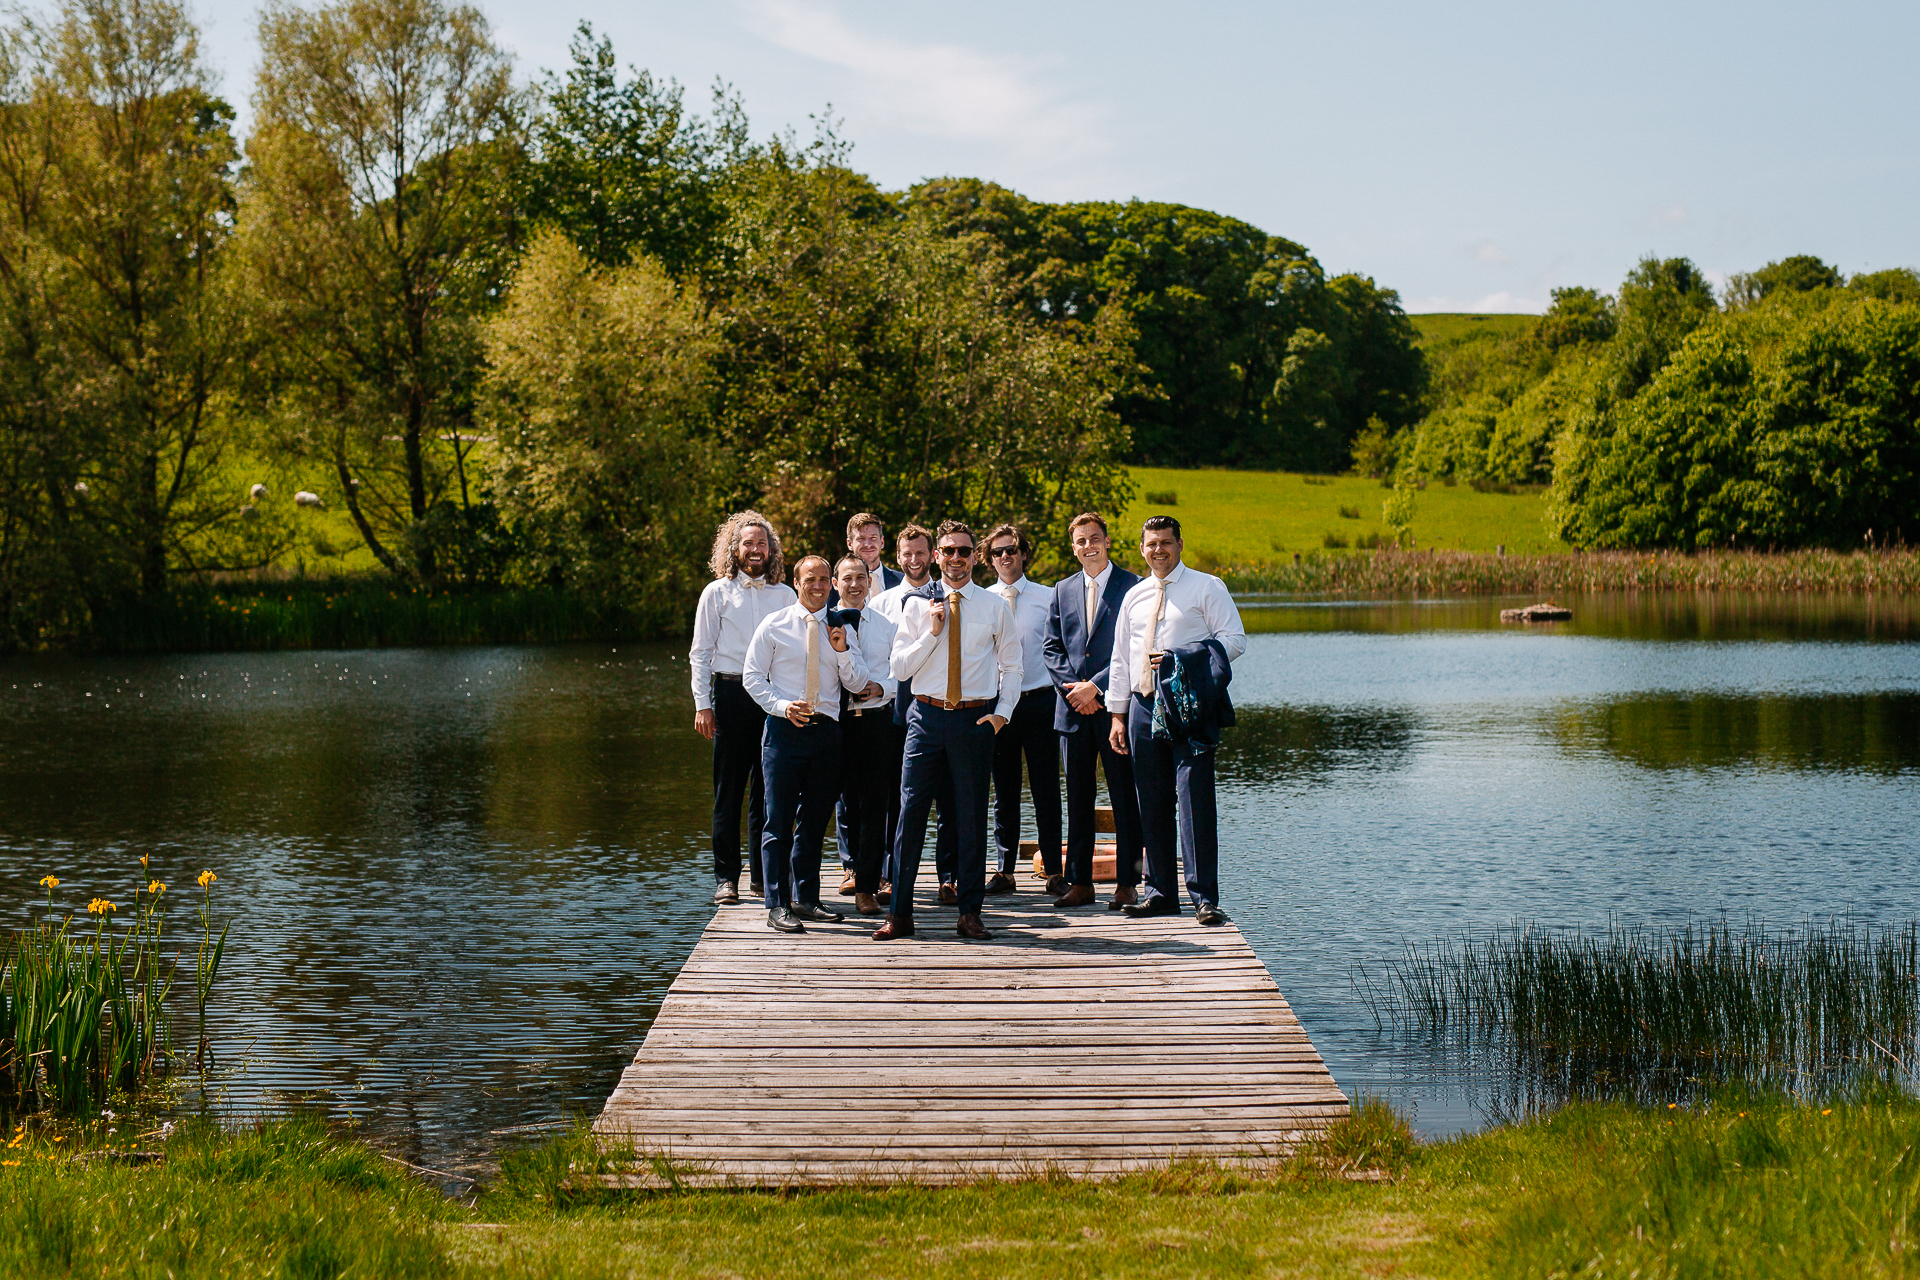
{"x": 1547, "y": 612}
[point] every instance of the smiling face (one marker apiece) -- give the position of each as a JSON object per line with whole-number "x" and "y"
{"x": 853, "y": 581}
{"x": 755, "y": 550}
{"x": 956, "y": 559}
{"x": 1090, "y": 547}
{"x": 1160, "y": 548}
{"x": 866, "y": 543}
{"x": 914, "y": 555}
{"x": 812, "y": 579}
{"x": 1004, "y": 555}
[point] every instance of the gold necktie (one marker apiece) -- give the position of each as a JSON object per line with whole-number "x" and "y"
{"x": 953, "y": 647}
{"x": 1145, "y": 686}
{"x": 813, "y": 662}
{"x": 1093, "y": 599}
{"x": 1009, "y": 593}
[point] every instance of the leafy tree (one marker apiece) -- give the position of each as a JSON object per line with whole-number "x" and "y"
{"x": 596, "y": 378}
{"x": 1579, "y": 316}
{"x": 1662, "y": 300}
{"x": 1250, "y": 356}
{"x": 1802, "y": 273}
{"x": 1897, "y": 284}
{"x": 874, "y": 360}
{"x": 378, "y": 223}
{"x": 623, "y": 168}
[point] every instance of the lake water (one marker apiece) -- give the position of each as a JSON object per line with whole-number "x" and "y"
{"x": 464, "y": 878}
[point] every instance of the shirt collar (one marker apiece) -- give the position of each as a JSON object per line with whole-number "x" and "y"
{"x": 820, "y": 613}
{"x": 1100, "y": 579}
{"x": 1179, "y": 572}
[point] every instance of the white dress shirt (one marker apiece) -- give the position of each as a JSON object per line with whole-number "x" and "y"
{"x": 887, "y": 603}
{"x": 730, "y": 610}
{"x": 990, "y": 665}
{"x": 775, "y": 675}
{"x": 1030, "y": 605}
{"x": 1198, "y": 607}
{"x": 876, "y": 655}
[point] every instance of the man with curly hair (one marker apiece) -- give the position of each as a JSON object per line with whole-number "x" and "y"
{"x": 745, "y": 591}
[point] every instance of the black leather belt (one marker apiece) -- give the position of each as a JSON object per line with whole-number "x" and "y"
{"x": 734, "y": 676}
{"x": 871, "y": 711}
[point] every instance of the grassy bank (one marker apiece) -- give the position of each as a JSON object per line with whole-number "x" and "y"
{"x": 1264, "y": 517}
{"x": 1442, "y": 573}
{"x": 1747, "y": 1187}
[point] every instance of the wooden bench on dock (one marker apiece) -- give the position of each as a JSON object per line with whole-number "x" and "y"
{"x": 1082, "y": 1043}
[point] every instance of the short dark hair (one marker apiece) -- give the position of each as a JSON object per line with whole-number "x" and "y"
{"x": 1088, "y": 517}
{"x": 908, "y": 533}
{"x": 1156, "y": 523}
{"x": 844, "y": 561}
{"x": 955, "y": 526}
{"x": 804, "y": 561}
{"x": 860, "y": 521}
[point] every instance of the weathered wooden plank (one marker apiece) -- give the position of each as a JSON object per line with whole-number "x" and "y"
{"x": 1087, "y": 1043}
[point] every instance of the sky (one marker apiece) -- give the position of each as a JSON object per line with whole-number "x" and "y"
{"x": 1472, "y": 156}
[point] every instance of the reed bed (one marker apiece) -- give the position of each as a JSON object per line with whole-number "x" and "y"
{"x": 83, "y": 1003}
{"x": 1429, "y": 573}
{"x": 1639, "y": 1012}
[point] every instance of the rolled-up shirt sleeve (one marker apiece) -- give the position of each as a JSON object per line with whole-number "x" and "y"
{"x": 756, "y": 672}
{"x": 706, "y": 635}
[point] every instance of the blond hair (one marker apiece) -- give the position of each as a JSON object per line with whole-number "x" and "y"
{"x": 725, "y": 560}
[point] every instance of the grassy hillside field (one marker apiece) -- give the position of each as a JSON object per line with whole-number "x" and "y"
{"x": 1250, "y": 517}
{"x": 1452, "y": 326}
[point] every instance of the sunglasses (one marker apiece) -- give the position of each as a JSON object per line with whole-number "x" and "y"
{"x": 1000, "y": 552}
{"x": 955, "y": 553}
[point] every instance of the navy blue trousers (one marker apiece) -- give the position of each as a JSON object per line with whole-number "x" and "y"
{"x": 1167, "y": 777}
{"x": 1088, "y": 747}
{"x": 870, "y": 749}
{"x": 738, "y": 727}
{"x": 1030, "y": 734}
{"x": 803, "y": 781}
{"x": 953, "y": 748}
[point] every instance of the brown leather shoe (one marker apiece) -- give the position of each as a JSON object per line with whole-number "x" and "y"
{"x": 893, "y": 929}
{"x": 846, "y": 884}
{"x": 865, "y": 905}
{"x": 1001, "y": 882}
{"x": 1122, "y": 897}
{"x": 1056, "y": 885}
{"x": 969, "y": 926}
{"x": 949, "y": 894}
{"x": 1078, "y": 896}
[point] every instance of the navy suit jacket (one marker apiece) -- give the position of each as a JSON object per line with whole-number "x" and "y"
{"x": 1072, "y": 652}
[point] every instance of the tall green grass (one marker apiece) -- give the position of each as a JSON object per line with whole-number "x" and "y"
{"x": 1652, "y": 1013}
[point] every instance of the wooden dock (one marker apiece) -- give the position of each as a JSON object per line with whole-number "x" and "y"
{"x": 1081, "y": 1043}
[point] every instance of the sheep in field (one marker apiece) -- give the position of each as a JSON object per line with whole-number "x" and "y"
{"x": 305, "y": 499}
{"x": 258, "y": 492}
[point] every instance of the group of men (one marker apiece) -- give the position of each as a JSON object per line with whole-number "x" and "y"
{"x": 883, "y": 694}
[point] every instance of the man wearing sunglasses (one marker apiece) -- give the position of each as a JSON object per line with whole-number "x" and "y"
{"x": 1030, "y": 733}
{"x": 958, "y": 651}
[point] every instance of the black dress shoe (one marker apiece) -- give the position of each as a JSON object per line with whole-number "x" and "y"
{"x": 785, "y": 921}
{"x": 1057, "y": 885}
{"x": 1210, "y": 915}
{"x": 814, "y": 911}
{"x": 1158, "y": 905}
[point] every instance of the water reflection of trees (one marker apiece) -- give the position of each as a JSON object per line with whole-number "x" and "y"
{"x": 1876, "y": 733}
{"x": 1312, "y": 743}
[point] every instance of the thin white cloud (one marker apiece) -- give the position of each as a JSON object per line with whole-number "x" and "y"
{"x": 1490, "y": 253}
{"x": 1673, "y": 217}
{"x": 942, "y": 90}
